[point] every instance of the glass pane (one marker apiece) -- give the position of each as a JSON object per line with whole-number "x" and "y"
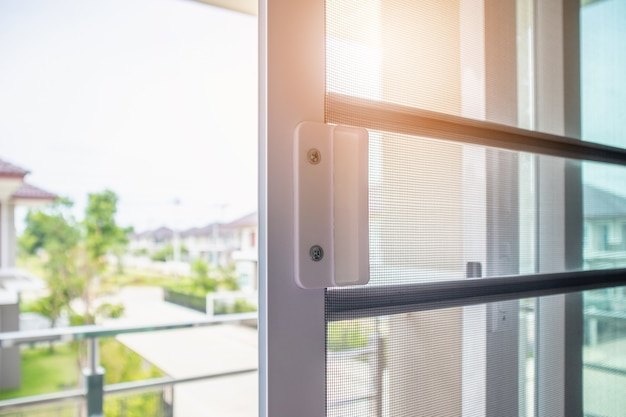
{"x": 156, "y": 402}
{"x": 603, "y": 63}
{"x": 605, "y": 216}
{"x": 603, "y": 60}
{"x": 458, "y": 361}
{"x": 65, "y": 409}
{"x": 604, "y": 353}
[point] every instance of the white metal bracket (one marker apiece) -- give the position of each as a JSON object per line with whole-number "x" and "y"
{"x": 331, "y": 205}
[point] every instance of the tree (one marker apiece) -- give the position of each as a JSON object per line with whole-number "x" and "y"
{"x": 75, "y": 254}
{"x": 166, "y": 253}
{"x": 102, "y": 236}
{"x": 52, "y": 229}
{"x": 202, "y": 282}
{"x": 53, "y": 232}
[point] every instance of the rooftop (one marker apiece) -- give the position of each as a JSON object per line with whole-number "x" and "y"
{"x": 601, "y": 203}
{"x": 8, "y": 170}
{"x": 30, "y": 192}
{"x": 248, "y": 220}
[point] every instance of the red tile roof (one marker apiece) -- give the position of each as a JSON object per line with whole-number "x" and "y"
{"x": 8, "y": 170}
{"x": 30, "y": 192}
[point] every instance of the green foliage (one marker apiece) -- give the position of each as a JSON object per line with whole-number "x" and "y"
{"x": 133, "y": 405}
{"x": 80, "y": 319}
{"x": 45, "y": 372}
{"x": 345, "y": 335}
{"x": 166, "y": 253}
{"x": 124, "y": 365}
{"x": 226, "y": 278}
{"x": 111, "y": 311}
{"x": 135, "y": 278}
{"x": 239, "y": 305}
{"x": 102, "y": 233}
{"x": 204, "y": 285}
{"x": 140, "y": 252}
{"x": 50, "y": 306}
{"x": 52, "y": 229}
{"x": 200, "y": 268}
{"x": 205, "y": 280}
{"x": 74, "y": 253}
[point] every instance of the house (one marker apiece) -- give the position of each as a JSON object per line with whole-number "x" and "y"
{"x": 14, "y": 191}
{"x": 213, "y": 243}
{"x": 149, "y": 241}
{"x": 223, "y": 244}
{"x": 246, "y": 257}
{"x": 604, "y": 228}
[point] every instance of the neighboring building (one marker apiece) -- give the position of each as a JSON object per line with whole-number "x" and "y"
{"x": 214, "y": 243}
{"x": 246, "y": 258}
{"x": 221, "y": 244}
{"x": 150, "y": 241}
{"x": 604, "y": 229}
{"x": 14, "y": 191}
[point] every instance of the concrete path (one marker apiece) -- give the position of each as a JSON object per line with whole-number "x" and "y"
{"x": 197, "y": 351}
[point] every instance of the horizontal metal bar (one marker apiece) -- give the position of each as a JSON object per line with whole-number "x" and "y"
{"x": 97, "y": 331}
{"x": 377, "y": 115}
{"x": 603, "y": 314}
{"x": 379, "y": 300}
{"x": 163, "y": 382}
{"x": 75, "y": 394}
{"x": 144, "y": 385}
{"x": 350, "y": 354}
{"x": 605, "y": 369}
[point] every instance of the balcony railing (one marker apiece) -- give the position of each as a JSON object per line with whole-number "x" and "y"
{"x": 89, "y": 400}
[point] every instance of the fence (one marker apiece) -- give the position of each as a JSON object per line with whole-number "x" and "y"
{"x": 91, "y": 400}
{"x": 215, "y": 303}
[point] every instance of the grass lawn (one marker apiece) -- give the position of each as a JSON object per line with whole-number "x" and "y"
{"x": 135, "y": 278}
{"x": 45, "y": 372}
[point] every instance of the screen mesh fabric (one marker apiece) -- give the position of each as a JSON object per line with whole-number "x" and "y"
{"x": 437, "y": 206}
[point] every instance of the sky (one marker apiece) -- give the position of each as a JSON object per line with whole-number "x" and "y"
{"x": 153, "y": 99}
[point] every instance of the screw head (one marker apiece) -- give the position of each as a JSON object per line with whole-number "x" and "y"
{"x": 316, "y": 253}
{"x": 314, "y": 156}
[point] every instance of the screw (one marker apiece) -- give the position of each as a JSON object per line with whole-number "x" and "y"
{"x": 316, "y": 253}
{"x": 314, "y": 156}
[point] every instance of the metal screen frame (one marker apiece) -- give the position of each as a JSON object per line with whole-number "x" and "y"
{"x": 291, "y": 320}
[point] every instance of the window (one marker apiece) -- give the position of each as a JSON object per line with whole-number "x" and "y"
{"x": 443, "y": 88}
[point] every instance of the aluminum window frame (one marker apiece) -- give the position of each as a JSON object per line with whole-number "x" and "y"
{"x": 292, "y": 343}
{"x": 291, "y": 320}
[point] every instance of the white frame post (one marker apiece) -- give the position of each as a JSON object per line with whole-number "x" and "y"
{"x": 291, "y": 320}
{"x": 559, "y": 324}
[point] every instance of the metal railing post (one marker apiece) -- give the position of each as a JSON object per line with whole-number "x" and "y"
{"x": 94, "y": 381}
{"x": 170, "y": 405}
